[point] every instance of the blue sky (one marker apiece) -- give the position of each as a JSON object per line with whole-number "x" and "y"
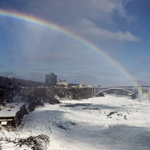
{"x": 118, "y": 27}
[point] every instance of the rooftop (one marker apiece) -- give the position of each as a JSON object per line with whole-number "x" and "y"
{"x": 10, "y": 109}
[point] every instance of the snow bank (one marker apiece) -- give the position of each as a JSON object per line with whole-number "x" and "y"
{"x": 5, "y": 135}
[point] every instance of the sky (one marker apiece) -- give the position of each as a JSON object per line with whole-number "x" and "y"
{"x": 119, "y": 29}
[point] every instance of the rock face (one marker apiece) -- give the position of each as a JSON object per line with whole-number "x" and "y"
{"x": 74, "y": 93}
{"x": 38, "y": 97}
{"x": 100, "y": 95}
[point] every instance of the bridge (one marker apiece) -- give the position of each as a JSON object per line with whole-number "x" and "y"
{"x": 131, "y": 91}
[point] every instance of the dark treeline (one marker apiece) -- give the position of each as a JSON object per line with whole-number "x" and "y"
{"x": 4, "y": 81}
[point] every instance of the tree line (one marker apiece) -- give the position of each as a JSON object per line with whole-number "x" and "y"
{"x": 5, "y": 81}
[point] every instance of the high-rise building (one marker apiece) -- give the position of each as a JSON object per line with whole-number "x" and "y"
{"x": 50, "y": 79}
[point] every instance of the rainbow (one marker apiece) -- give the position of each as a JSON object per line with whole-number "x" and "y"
{"x": 40, "y": 22}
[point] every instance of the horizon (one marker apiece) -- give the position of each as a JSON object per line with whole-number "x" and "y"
{"x": 99, "y": 86}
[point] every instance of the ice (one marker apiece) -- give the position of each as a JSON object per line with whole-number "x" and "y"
{"x": 102, "y": 123}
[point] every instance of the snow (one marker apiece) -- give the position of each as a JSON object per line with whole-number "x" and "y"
{"x": 102, "y": 123}
{"x": 10, "y": 109}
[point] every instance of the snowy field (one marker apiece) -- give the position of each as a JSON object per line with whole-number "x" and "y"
{"x": 103, "y": 123}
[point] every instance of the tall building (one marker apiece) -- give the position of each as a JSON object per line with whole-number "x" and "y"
{"x": 50, "y": 79}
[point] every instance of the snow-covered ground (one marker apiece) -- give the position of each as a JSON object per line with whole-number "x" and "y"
{"x": 102, "y": 123}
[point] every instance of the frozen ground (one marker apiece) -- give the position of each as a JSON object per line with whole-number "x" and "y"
{"x": 103, "y": 123}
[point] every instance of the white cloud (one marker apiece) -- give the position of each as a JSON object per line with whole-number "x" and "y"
{"x": 88, "y": 29}
{"x": 106, "y": 8}
{"x": 67, "y": 12}
{"x": 81, "y": 15}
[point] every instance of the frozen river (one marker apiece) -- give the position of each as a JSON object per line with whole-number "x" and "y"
{"x": 102, "y": 123}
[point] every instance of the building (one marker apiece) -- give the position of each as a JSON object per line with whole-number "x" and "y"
{"x": 62, "y": 83}
{"x": 50, "y": 79}
{"x": 12, "y": 114}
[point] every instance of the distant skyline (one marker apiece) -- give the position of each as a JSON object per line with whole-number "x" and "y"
{"x": 119, "y": 28}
